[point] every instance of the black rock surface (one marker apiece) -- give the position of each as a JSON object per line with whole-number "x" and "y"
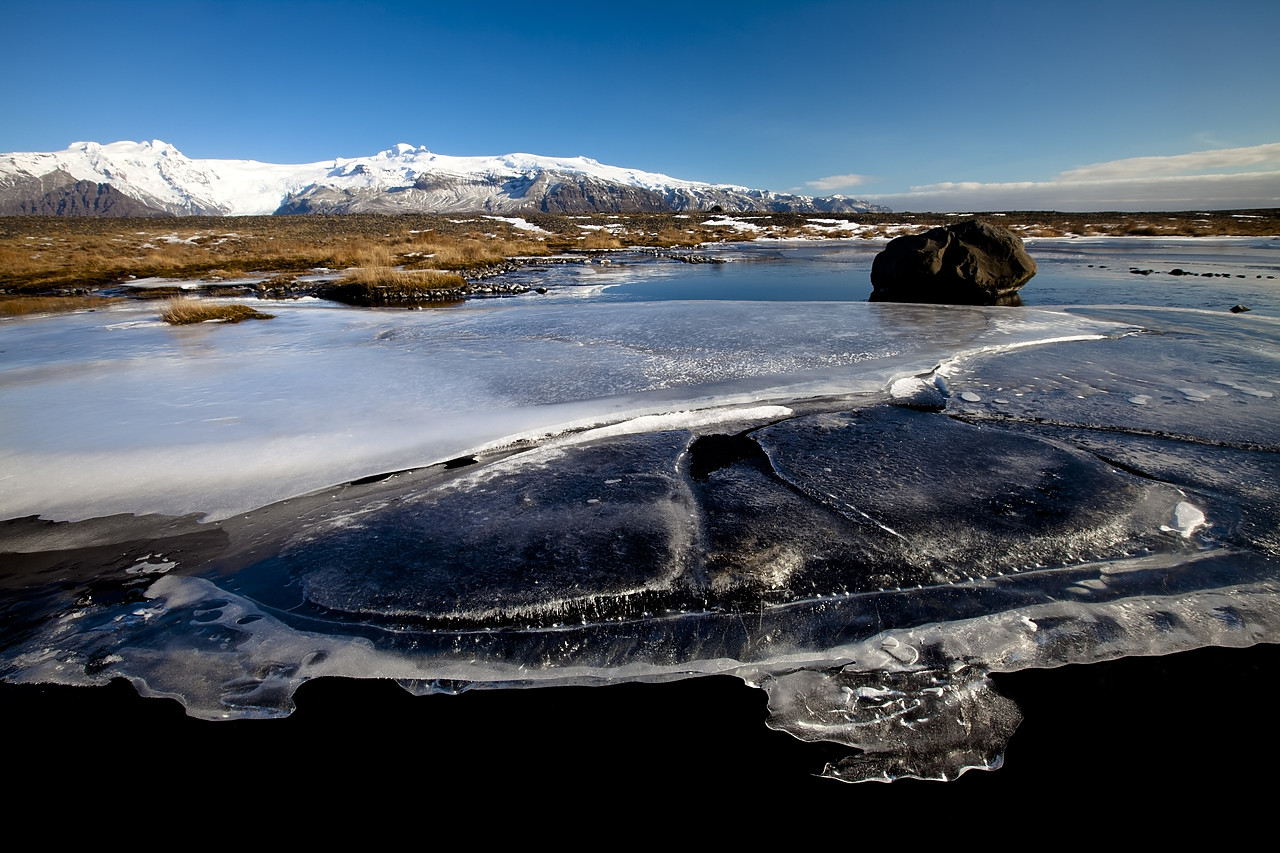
{"x": 968, "y": 263}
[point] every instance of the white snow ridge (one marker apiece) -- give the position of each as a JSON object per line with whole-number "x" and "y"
{"x": 400, "y": 179}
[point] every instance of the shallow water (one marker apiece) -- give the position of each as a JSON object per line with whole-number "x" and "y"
{"x": 1082, "y": 271}
{"x": 863, "y": 509}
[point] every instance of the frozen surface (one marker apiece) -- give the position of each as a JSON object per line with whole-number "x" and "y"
{"x": 863, "y": 509}
{"x": 114, "y": 411}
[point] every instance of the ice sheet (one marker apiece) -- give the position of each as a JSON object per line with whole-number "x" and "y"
{"x": 862, "y": 509}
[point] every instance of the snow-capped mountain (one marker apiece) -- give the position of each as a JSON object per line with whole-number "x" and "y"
{"x": 155, "y": 178}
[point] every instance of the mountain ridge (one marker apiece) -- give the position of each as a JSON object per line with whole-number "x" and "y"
{"x": 155, "y": 178}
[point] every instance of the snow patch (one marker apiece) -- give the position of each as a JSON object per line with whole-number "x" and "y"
{"x": 520, "y": 224}
{"x": 734, "y": 223}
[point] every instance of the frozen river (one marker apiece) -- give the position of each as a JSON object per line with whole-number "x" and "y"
{"x": 658, "y": 470}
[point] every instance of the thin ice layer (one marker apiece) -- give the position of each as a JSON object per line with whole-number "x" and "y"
{"x": 524, "y": 538}
{"x": 1212, "y": 376}
{"x": 951, "y": 501}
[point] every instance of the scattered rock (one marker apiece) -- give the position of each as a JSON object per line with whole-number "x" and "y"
{"x": 683, "y": 257}
{"x": 367, "y": 296}
{"x": 968, "y": 263}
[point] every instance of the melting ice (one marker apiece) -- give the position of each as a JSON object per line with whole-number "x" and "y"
{"x": 863, "y": 509}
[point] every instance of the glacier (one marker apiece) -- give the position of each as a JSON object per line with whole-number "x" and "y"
{"x": 864, "y": 510}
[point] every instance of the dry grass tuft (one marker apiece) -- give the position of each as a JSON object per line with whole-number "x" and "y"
{"x": 402, "y": 280}
{"x": 600, "y": 240}
{"x": 672, "y": 237}
{"x": 183, "y": 312}
{"x": 468, "y": 251}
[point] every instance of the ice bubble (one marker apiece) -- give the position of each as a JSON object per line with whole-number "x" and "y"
{"x": 1245, "y": 389}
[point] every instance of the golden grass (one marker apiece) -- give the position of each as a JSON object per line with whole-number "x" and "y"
{"x": 599, "y": 240}
{"x": 674, "y": 236}
{"x": 183, "y": 312}
{"x": 468, "y": 252}
{"x": 40, "y": 253}
{"x": 20, "y": 306}
{"x": 403, "y": 280}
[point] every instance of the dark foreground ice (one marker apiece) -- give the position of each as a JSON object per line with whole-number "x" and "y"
{"x": 865, "y": 510}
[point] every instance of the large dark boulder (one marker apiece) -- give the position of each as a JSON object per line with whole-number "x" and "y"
{"x": 968, "y": 263}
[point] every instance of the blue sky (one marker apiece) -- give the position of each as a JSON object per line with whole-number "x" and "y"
{"x": 974, "y": 105}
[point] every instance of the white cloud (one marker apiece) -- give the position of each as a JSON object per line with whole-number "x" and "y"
{"x": 1177, "y": 164}
{"x": 1136, "y": 183}
{"x": 836, "y": 182}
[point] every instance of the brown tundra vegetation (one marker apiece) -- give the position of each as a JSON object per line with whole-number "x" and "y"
{"x": 415, "y": 253}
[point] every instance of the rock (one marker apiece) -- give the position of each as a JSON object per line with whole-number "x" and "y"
{"x": 968, "y": 263}
{"x": 58, "y": 193}
{"x": 920, "y": 393}
{"x": 1239, "y": 309}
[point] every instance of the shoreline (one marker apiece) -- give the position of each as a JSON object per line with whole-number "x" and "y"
{"x": 485, "y": 284}
{"x": 284, "y": 256}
